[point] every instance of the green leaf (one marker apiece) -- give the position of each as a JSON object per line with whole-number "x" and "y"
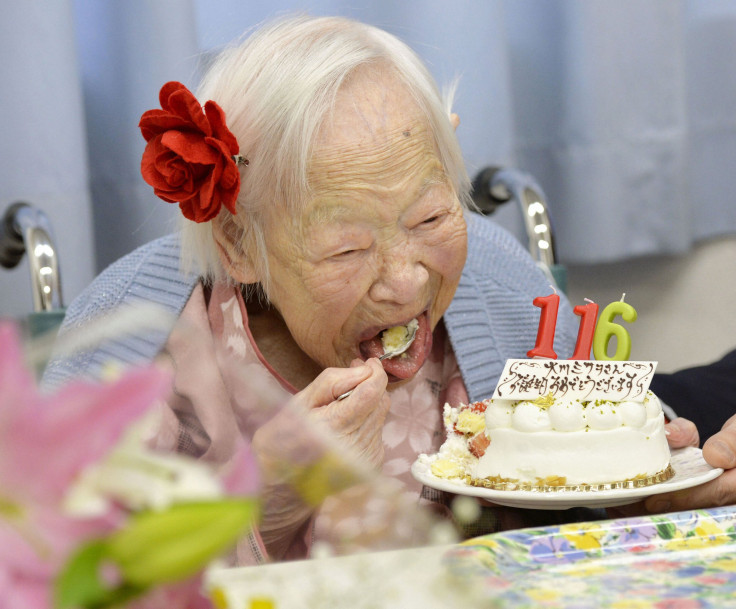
{"x": 666, "y": 530}
{"x": 170, "y": 545}
{"x": 79, "y": 584}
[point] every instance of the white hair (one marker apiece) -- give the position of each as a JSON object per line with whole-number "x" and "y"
{"x": 276, "y": 88}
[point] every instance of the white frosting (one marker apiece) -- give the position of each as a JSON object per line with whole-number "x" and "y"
{"x": 529, "y": 417}
{"x": 581, "y": 457}
{"x": 454, "y": 448}
{"x": 633, "y": 414}
{"x": 567, "y": 415}
{"x": 584, "y": 442}
{"x": 653, "y": 405}
{"x": 603, "y": 415}
{"x": 498, "y": 413}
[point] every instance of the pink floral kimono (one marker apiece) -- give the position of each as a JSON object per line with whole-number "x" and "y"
{"x": 223, "y": 387}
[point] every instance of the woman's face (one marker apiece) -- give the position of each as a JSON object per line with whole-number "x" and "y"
{"x": 383, "y": 240}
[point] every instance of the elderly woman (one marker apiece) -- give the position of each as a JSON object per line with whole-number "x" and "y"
{"x": 325, "y": 201}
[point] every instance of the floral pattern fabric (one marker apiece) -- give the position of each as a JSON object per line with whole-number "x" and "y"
{"x": 685, "y": 560}
{"x": 212, "y": 401}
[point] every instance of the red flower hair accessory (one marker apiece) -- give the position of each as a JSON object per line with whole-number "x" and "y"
{"x": 191, "y": 157}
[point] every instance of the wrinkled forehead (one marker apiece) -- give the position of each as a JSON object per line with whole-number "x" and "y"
{"x": 376, "y": 139}
{"x": 383, "y": 161}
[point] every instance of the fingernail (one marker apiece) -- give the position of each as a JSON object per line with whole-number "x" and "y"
{"x": 684, "y": 430}
{"x": 679, "y": 424}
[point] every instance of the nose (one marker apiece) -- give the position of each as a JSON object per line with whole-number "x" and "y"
{"x": 402, "y": 276}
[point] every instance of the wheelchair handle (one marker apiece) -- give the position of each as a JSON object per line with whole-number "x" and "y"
{"x": 12, "y": 247}
{"x": 495, "y": 186}
{"x": 27, "y": 229}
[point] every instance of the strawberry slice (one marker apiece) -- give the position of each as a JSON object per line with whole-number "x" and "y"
{"x": 478, "y": 407}
{"x": 478, "y": 443}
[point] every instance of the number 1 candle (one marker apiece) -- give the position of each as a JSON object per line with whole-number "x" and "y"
{"x": 546, "y": 331}
{"x": 588, "y": 314}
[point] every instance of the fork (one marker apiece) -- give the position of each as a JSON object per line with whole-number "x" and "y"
{"x": 389, "y": 355}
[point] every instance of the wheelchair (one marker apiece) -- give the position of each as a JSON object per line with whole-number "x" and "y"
{"x": 494, "y": 186}
{"x": 25, "y": 229}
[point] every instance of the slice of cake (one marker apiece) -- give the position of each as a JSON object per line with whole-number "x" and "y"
{"x": 555, "y": 444}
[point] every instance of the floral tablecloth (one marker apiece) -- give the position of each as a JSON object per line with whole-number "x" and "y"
{"x": 682, "y": 560}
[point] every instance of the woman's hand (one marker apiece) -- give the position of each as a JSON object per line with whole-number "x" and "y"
{"x": 305, "y": 432}
{"x": 357, "y": 421}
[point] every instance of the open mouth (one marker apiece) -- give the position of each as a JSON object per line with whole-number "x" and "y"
{"x": 408, "y": 363}
{"x": 397, "y": 340}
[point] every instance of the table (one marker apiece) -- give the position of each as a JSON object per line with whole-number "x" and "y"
{"x": 672, "y": 561}
{"x": 398, "y": 578}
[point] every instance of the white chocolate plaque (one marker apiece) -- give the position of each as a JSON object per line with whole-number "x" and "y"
{"x": 585, "y": 380}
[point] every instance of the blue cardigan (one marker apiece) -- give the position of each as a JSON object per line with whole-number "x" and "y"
{"x": 490, "y": 319}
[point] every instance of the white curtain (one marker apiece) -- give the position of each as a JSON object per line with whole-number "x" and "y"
{"x": 624, "y": 111}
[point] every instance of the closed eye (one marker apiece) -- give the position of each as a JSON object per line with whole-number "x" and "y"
{"x": 346, "y": 254}
{"x": 433, "y": 220}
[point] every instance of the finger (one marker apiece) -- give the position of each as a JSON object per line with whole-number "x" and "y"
{"x": 373, "y": 386}
{"x": 682, "y": 432}
{"x": 331, "y": 383}
{"x": 721, "y": 491}
{"x": 731, "y": 423}
{"x": 368, "y": 403}
{"x": 357, "y": 375}
{"x": 720, "y": 450}
{"x": 626, "y": 511}
{"x": 454, "y": 120}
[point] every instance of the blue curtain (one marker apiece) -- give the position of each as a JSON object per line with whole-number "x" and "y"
{"x": 624, "y": 111}
{"x": 127, "y": 50}
{"x": 43, "y": 148}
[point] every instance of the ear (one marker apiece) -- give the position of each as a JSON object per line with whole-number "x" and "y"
{"x": 455, "y": 120}
{"x": 234, "y": 259}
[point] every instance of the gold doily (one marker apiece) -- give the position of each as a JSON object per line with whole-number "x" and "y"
{"x": 556, "y": 485}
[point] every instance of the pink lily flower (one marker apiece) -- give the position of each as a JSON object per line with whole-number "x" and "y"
{"x": 45, "y": 443}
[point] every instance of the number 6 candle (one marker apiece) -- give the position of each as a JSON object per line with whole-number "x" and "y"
{"x": 606, "y": 329}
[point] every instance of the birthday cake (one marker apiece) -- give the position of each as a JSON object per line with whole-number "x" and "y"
{"x": 555, "y": 443}
{"x": 574, "y": 424}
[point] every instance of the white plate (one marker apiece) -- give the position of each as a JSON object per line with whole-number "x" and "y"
{"x": 690, "y": 470}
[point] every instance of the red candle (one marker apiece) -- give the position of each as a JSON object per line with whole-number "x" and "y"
{"x": 546, "y": 331}
{"x": 588, "y": 314}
